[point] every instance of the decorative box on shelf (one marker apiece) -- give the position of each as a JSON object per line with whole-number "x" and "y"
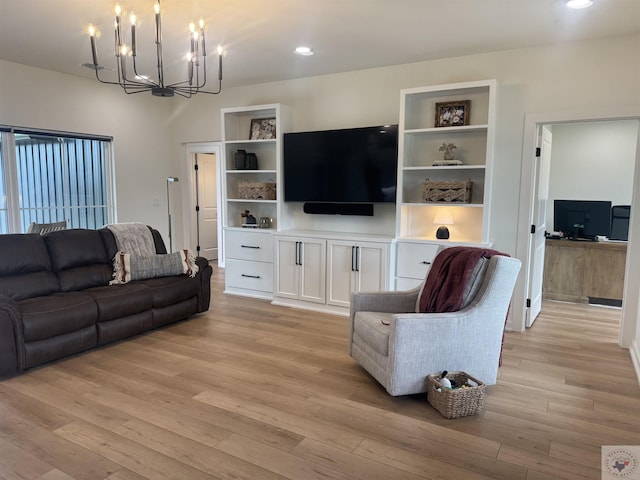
{"x": 455, "y": 191}
{"x": 257, "y": 190}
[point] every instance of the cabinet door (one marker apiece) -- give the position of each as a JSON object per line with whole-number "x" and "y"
{"x": 287, "y": 268}
{"x": 341, "y": 265}
{"x": 372, "y": 268}
{"x": 312, "y": 255}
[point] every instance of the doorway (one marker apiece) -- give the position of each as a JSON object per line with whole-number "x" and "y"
{"x": 529, "y": 206}
{"x": 204, "y": 229}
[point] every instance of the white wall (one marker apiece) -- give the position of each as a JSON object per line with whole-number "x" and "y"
{"x": 592, "y": 161}
{"x": 36, "y": 98}
{"x": 549, "y": 78}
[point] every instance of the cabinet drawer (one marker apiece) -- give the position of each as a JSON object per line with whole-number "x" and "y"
{"x": 414, "y": 259}
{"x": 407, "y": 283}
{"x": 249, "y": 275}
{"x": 249, "y": 246}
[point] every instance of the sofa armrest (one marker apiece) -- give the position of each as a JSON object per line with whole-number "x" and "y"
{"x": 205, "y": 270}
{"x": 11, "y": 338}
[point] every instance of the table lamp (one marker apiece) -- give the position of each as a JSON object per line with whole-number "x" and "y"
{"x": 442, "y": 218}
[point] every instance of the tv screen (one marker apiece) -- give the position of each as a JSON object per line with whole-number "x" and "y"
{"x": 582, "y": 218}
{"x": 356, "y": 165}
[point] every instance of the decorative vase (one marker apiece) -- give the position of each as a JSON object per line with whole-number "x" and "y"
{"x": 251, "y": 162}
{"x": 447, "y": 151}
{"x": 240, "y": 160}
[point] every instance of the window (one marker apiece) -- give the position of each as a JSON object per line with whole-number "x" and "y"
{"x": 46, "y": 178}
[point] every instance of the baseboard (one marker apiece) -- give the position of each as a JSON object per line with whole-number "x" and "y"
{"x": 635, "y": 358}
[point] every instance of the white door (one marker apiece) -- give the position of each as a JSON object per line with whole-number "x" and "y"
{"x": 541, "y": 189}
{"x": 208, "y": 201}
{"x": 341, "y": 265}
{"x": 287, "y": 267}
{"x": 372, "y": 267}
{"x": 312, "y": 259}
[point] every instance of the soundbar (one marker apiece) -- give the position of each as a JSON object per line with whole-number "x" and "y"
{"x": 362, "y": 209}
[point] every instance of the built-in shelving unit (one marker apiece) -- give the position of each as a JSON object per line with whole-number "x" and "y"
{"x": 418, "y": 149}
{"x": 249, "y": 251}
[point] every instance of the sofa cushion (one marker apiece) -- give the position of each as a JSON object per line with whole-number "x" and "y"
{"x": 57, "y": 314}
{"x": 170, "y": 290}
{"x": 74, "y": 248}
{"x": 79, "y": 258}
{"x": 116, "y": 301}
{"x": 373, "y": 328}
{"x": 25, "y": 270}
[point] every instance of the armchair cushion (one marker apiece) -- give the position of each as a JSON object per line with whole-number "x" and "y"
{"x": 374, "y": 328}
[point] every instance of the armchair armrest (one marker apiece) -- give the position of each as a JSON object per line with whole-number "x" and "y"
{"x": 387, "y": 302}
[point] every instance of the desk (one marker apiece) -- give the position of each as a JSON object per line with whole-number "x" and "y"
{"x": 585, "y": 272}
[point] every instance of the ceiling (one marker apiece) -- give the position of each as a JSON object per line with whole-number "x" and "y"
{"x": 259, "y": 37}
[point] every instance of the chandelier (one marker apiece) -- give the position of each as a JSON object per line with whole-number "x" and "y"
{"x": 133, "y": 82}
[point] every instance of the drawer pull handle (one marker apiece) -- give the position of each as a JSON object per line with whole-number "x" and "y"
{"x": 249, "y": 246}
{"x": 251, "y": 276}
{"x": 425, "y": 262}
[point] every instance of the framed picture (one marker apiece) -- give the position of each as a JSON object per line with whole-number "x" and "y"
{"x": 262, "y": 128}
{"x": 453, "y": 114}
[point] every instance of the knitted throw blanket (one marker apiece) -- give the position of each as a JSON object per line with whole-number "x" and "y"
{"x": 133, "y": 238}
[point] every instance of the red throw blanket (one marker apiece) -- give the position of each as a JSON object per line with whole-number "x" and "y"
{"x": 449, "y": 274}
{"x": 444, "y": 288}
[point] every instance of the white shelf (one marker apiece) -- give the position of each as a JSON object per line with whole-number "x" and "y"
{"x": 444, "y": 168}
{"x": 244, "y": 142}
{"x": 441, "y": 130}
{"x": 443, "y": 204}
{"x": 233, "y": 172}
{"x": 242, "y": 200}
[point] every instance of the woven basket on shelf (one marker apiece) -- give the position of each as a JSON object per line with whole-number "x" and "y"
{"x": 446, "y": 191}
{"x": 459, "y": 402}
{"x": 257, "y": 190}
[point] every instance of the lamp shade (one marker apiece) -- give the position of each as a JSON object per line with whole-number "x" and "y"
{"x": 443, "y": 217}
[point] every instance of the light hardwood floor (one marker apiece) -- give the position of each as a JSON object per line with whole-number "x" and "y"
{"x": 253, "y": 391}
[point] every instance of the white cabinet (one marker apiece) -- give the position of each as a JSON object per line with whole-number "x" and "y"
{"x": 419, "y": 143}
{"x": 300, "y": 269}
{"x": 355, "y": 266}
{"x": 413, "y": 262}
{"x": 249, "y": 263}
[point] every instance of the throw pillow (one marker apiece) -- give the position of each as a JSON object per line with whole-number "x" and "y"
{"x": 127, "y": 267}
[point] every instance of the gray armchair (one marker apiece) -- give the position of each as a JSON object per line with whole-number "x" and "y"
{"x": 399, "y": 347}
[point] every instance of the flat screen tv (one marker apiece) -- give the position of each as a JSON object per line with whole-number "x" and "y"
{"x": 356, "y": 165}
{"x": 582, "y": 218}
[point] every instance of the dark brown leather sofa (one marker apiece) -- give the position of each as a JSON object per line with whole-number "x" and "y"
{"x": 55, "y": 297}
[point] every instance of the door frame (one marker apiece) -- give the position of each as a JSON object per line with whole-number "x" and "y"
{"x": 192, "y": 149}
{"x": 533, "y": 122}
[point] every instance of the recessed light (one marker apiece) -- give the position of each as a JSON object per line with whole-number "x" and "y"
{"x": 577, "y": 4}
{"x": 306, "y": 51}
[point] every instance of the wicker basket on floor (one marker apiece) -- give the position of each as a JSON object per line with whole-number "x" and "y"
{"x": 459, "y": 402}
{"x": 257, "y": 190}
{"x": 446, "y": 191}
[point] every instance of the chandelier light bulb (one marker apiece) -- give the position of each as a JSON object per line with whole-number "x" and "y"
{"x": 220, "y": 50}
{"x": 192, "y": 27}
{"x": 118, "y": 10}
{"x": 201, "y": 23}
{"x": 92, "y": 30}
{"x": 156, "y": 8}
{"x": 132, "y": 19}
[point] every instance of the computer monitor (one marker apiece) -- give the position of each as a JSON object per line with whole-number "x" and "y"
{"x": 582, "y": 218}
